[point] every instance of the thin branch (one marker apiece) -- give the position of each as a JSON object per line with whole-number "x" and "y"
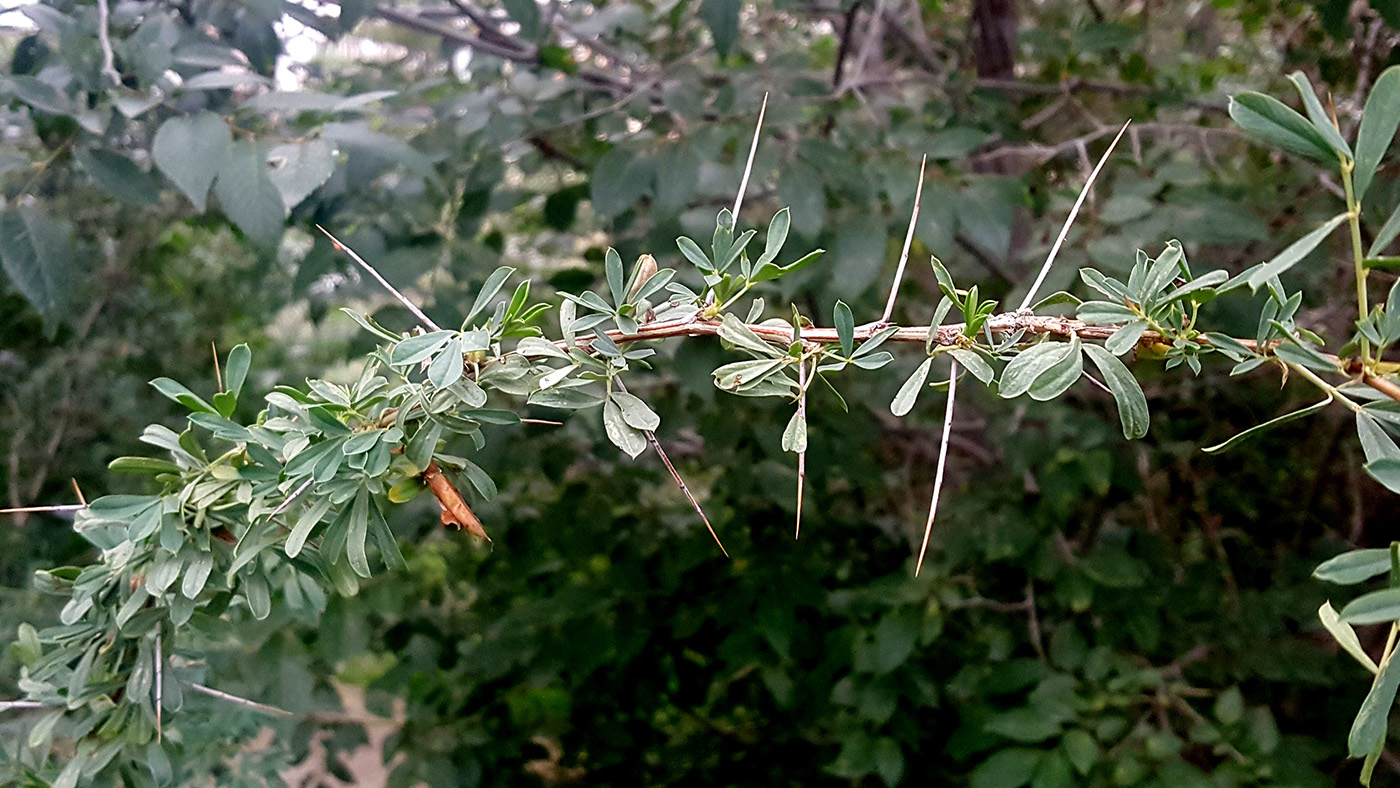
{"x": 409, "y": 305}
{"x": 244, "y": 702}
{"x": 1069, "y": 220}
{"x": 20, "y": 705}
{"x": 748, "y": 167}
{"x": 942, "y": 463}
{"x": 104, "y": 42}
{"x": 908, "y": 239}
{"x": 528, "y": 56}
{"x": 218, "y": 374}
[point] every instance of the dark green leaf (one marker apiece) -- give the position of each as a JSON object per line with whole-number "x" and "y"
{"x": 1318, "y": 115}
{"x": 37, "y": 254}
{"x": 297, "y": 169}
{"x": 1376, "y": 607}
{"x": 119, "y": 176}
{"x": 248, "y": 196}
{"x": 1378, "y": 123}
{"x": 1267, "y": 119}
{"x": 1387, "y": 472}
{"x": 845, "y": 327}
{"x": 722, "y": 18}
{"x": 1270, "y": 424}
{"x": 191, "y": 151}
{"x": 1295, "y": 252}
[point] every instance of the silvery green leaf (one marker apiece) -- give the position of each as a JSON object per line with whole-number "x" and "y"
{"x": 909, "y": 392}
{"x": 732, "y": 377}
{"x": 1028, "y": 365}
{"x": 489, "y": 289}
{"x": 1125, "y": 338}
{"x": 845, "y": 327}
{"x": 1376, "y": 443}
{"x": 357, "y": 531}
{"x": 973, "y": 362}
{"x": 741, "y": 336}
{"x": 626, "y": 437}
{"x": 635, "y": 412}
{"x": 1132, "y": 404}
{"x": 1061, "y": 375}
{"x": 419, "y": 348}
{"x": 795, "y": 435}
{"x": 1354, "y": 566}
{"x": 1345, "y": 636}
{"x": 446, "y": 368}
{"x": 533, "y": 347}
{"x": 568, "y": 311}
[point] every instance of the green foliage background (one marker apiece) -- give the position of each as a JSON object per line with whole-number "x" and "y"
{"x": 1094, "y": 612}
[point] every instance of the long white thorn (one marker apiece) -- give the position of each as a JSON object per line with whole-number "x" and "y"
{"x": 290, "y": 498}
{"x": 908, "y": 240}
{"x": 244, "y": 702}
{"x": 1073, "y": 213}
{"x": 942, "y": 463}
{"x": 62, "y": 507}
{"x": 802, "y": 455}
{"x": 160, "y": 685}
{"x": 748, "y": 168}
{"x": 409, "y": 305}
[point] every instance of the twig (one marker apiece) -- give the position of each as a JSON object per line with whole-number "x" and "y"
{"x": 530, "y": 56}
{"x": 748, "y": 167}
{"x": 1069, "y": 220}
{"x": 409, "y": 305}
{"x": 244, "y": 702}
{"x": 942, "y": 462}
{"x": 218, "y": 375}
{"x": 20, "y": 705}
{"x": 948, "y": 334}
{"x": 104, "y": 42}
{"x": 908, "y": 239}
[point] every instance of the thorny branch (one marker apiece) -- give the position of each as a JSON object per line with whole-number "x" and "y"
{"x": 946, "y": 335}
